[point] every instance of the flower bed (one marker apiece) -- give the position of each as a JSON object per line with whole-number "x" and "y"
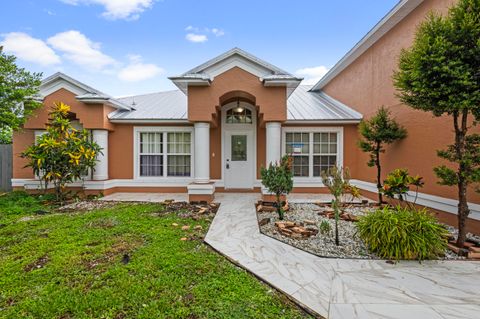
{"x": 303, "y": 221}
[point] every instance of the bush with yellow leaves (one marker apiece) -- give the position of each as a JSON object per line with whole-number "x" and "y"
{"x": 63, "y": 154}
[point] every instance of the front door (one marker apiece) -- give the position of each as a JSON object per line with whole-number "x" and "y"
{"x": 239, "y": 159}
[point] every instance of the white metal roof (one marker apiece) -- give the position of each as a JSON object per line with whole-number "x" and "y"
{"x": 302, "y": 105}
{"x": 390, "y": 20}
{"x": 168, "y": 105}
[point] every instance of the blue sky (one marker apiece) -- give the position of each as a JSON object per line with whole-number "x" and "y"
{"x": 126, "y": 47}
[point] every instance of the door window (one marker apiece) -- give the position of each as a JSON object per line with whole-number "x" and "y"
{"x": 239, "y": 147}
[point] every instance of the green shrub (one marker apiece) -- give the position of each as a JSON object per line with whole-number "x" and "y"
{"x": 403, "y": 233}
{"x": 325, "y": 227}
{"x": 278, "y": 179}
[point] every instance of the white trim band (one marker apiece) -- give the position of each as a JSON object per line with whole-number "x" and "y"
{"x": 436, "y": 202}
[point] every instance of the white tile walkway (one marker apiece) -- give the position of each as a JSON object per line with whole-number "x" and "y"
{"x": 338, "y": 288}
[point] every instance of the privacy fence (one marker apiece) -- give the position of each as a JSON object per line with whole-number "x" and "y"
{"x": 6, "y": 160}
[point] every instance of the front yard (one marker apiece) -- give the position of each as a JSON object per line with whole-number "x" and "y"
{"x": 120, "y": 261}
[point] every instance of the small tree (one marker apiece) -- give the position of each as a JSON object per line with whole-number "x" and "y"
{"x": 62, "y": 155}
{"x": 381, "y": 129}
{"x": 17, "y": 88}
{"x": 440, "y": 74}
{"x": 337, "y": 181}
{"x": 278, "y": 179}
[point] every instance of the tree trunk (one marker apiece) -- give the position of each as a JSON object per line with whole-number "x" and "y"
{"x": 463, "y": 210}
{"x": 336, "y": 208}
{"x": 379, "y": 173}
{"x": 279, "y": 207}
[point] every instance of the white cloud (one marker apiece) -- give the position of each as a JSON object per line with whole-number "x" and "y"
{"x": 191, "y": 28}
{"x": 79, "y": 49}
{"x": 29, "y": 49}
{"x": 199, "y": 35}
{"x": 118, "y": 9}
{"x": 196, "y": 38}
{"x": 312, "y": 75}
{"x": 138, "y": 71}
{"x": 218, "y": 32}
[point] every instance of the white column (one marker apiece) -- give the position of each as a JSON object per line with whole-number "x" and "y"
{"x": 101, "y": 169}
{"x": 202, "y": 153}
{"x": 274, "y": 132}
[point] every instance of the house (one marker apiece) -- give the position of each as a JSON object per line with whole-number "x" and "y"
{"x": 236, "y": 113}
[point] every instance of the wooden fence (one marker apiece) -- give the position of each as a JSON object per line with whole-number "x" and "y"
{"x": 6, "y": 160}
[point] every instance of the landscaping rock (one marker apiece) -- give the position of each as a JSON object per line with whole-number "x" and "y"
{"x": 186, "y": 227}
{"x": 198, "y": 227}
{"x": 264, "y": 221}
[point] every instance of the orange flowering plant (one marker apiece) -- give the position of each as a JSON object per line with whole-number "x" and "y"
{"x": 62, "y": 154}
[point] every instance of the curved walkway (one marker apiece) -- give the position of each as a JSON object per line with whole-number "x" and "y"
{"x": 340, "y": 288}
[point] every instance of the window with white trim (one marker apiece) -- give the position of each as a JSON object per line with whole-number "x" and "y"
{"x": 151, "y": 154}
{"x": 312, "y": 152}
{"x": 164, "y": 154}
{"x": 178, "y": 154}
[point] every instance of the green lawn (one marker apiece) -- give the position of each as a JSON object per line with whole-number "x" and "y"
{"x": 73, "y": 265}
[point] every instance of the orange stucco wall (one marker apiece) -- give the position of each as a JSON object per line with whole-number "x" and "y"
{"x": 203, "y": 101}
{"x": 92, "y": 116}
{"x": 367, "y": 84}
{"x": 21, "y": 140}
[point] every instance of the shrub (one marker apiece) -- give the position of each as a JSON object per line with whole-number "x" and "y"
{"x": 63, "y": 154}
{"x": 337, "y": 180}
{"x": 398, "y": 184}
{"x": 403, "y": 233}
{"x": 278, "y": 179}
{"x": 325, "y": 227}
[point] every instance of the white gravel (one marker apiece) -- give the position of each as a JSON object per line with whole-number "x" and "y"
{"x": 351, "y": 245}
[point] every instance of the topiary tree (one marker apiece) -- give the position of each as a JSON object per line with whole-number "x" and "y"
{"x": 278, "y": 179}
{"x": 381, "y": 129}
{"x": 337, "y": 181}
{"x": 440, "y": 74}
{"x": 18, "y": 87}
{"x": 62, "y": 155}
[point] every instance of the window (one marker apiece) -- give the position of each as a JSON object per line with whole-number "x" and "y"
{"x": 239, "y": 115}
{"x": 312, "y": 152}
{"x": 151, "y": 154}
{"x": 239, "y": 148}
{"x": 298, "y": 145}
{"x": 164, "y": 154}
{"x": 178, "y": 154}
{"x": 324, "y": 152}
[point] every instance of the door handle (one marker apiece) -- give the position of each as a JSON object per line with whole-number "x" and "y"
{"x": 228, "y": 166}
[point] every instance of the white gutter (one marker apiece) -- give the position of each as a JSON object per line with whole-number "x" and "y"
{"x": 159, "y": 121}
{"x": 301, "y": 122}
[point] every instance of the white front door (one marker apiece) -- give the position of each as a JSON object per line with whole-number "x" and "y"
{"x": 239, "y": 159}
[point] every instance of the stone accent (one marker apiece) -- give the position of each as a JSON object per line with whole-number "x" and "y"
{"x": 295, "y": 230}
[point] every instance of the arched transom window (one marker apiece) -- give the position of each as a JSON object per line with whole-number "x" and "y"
{"x": 239, "y": 115}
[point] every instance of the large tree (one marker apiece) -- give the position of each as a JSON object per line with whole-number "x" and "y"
{"x": 377, "y": 131}
{"x": 18, "y": 88}
{"x": 440, "y": 74}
